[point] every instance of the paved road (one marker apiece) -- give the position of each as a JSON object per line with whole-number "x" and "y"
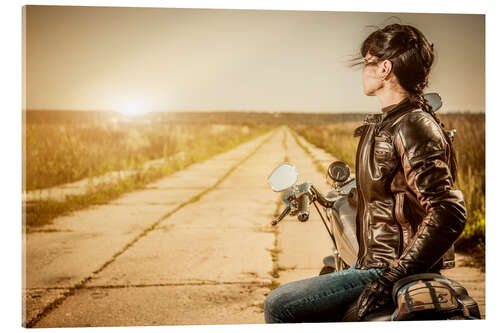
{"x": 193, "y": 248}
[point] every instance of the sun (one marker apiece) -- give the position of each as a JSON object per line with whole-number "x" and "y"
{"x": 132, "y": 109}
{"x": 132, "y": 105}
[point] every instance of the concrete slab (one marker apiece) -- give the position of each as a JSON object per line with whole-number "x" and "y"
{"x": 187, "y": 180}
{"x": 164, "y": 196}
{"x": 113, "y": 219}
{"x": 297, "y": 274}
{"x": 167, "y": 305}
{"x": 175, "y": 255}
{"x": 36, "y": 299}
{"x": 303, "y": 245}
{"x": 207, "y": 173}
{"x": 228, "y": 209}
{"x": 250, "y": 176}
{"x": 237, "y": 155}
{"x": 64, "y": 259}
{"x": 74, "y": 246}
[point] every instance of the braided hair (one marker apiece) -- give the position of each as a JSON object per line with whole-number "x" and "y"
{"x": 412, "y": 57}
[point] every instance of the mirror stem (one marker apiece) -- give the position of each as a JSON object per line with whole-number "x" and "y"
{"x": 321, "y": 198}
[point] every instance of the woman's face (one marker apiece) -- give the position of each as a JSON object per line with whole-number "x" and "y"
{"x": 371, "y": 76}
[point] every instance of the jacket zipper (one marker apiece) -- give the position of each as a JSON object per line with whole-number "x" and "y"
{"x": 362, "y": 248}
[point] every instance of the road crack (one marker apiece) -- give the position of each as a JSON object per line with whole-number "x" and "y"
{"x": 275, "y": 272}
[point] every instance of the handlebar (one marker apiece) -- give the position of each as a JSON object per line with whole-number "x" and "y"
{"x": 303, "y": 214}
{"x": 282, "y": 215}
{"x": 303, "y": 204}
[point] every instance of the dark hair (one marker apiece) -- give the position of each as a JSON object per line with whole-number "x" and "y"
{"x": 412, "y": 57}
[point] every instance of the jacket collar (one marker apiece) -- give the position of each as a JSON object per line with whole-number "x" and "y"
{"x": 388, "y": 112}
{"x": 397, "y": 109}
{"x": 378, "y": 118}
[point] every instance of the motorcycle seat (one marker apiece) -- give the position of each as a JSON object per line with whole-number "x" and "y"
{"x": 432, "y": 296}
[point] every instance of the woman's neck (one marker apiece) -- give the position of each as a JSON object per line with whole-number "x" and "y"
{"x": 391, "y": 95}
{"x": 386, "y": 101}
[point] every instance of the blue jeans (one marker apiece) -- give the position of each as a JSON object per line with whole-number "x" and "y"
{"x": 322, "y": 298}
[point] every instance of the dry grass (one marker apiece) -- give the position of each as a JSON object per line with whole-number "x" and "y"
{"x": 470, "y": 147}
{"x": 58, "y": 154}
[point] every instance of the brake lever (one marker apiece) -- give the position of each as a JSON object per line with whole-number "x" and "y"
{"x": 282, "y": 215}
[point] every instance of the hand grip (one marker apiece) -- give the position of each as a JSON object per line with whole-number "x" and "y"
{"x": 303, "y": 214}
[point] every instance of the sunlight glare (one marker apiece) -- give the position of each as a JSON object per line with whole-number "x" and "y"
{"x": 133, "y": 109}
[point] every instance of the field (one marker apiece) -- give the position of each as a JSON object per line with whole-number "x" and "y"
{"x": 469, "y": 143}
{"x": 65, "y": 153}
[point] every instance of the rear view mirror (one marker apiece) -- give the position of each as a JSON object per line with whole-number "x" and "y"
{"x": 434, "y": 101}
{"x": 283, "y": 176}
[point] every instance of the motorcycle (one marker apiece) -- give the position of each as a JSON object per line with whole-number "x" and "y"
{"x": 423, "y": 296}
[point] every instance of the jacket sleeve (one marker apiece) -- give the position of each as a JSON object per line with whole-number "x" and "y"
{"x": 424, "y": 154}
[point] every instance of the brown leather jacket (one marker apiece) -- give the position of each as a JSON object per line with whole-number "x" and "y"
{"x": 408, "y": 213}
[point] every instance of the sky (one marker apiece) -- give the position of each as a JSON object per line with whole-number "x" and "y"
{"x": 166, "y": 59}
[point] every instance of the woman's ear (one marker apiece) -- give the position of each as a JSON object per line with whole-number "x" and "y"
{"x": 385, "y": 69}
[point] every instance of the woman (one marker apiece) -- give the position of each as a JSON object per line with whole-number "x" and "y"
{"x": 408, "y": 213}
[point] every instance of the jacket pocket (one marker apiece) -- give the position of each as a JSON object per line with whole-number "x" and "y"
{"x": 384, "y": 155}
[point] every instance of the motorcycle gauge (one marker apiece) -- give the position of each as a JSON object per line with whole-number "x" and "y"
{"x": 339, "y": 171}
